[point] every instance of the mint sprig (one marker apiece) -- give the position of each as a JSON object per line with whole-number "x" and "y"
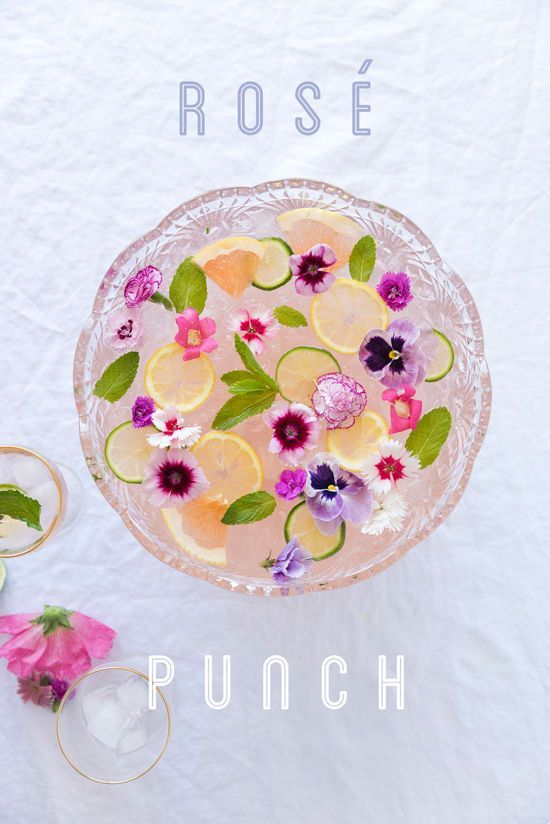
{"x": 362, "y": 259}
{"x": 432, "y": 430}
{"x": 20, "y": 507}
{"x": 287, "y": 316}
{"x": 250, "y": 508}
{"x": 118, "y": 377}
{"x": 248, "y": 359}
{"x": 188, "y": 287}
{"x": 242, "y": 406}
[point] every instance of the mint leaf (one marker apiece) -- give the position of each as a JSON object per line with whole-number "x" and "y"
{"x": 243, "y": 406}
{"x": 235, "y": 375}
{"x": 362, "y": 259}
{"x": 188, "y": 287}
{"x": 19, "y": 506}
{"x": 288, "y": 316}
{"x": 251, "y": 384}
{"x": 432, "y": 430}
{"x": 118, "y": 377}
{"x": 158, "y": 297}
{"x": 252, "y": 507}
{"x": 245, "y": 354}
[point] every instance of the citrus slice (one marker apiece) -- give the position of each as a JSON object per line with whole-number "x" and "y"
{"x": 231, "y": 262}
{"x": 127, "y": 452}
{"x": 351, "y": 447}
{"x": 443, "y": 357}
{"x": 174, "y": 520}
{"x": 304, "y": 228}
{"x": 273, "y": 270}
{"x": 299, "y": 368}
{"x": 345, "y": 313}
{"x": 202, "y": 521}
{"x": 301, "y": 525}
{"x": 230, "y": 464}
{"x": 171, "y": 381}
{"x": 3, "y": 574}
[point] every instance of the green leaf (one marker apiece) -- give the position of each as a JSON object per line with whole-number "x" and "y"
{"x": 432, "y": 430}
{"x": 243, "y": 406}
{"x": 251, "y": 384}
{"x": 245, "y": 354}
{"x": 117, "y": 377}
{"x": 158, "y": 297}
{"x": 252, "y": 507}
{"x": 362, "y": 259}
{"x": 235, "y": 376}
{"x": 288, "y": 316}
{"x": 188, "y": 287}
{"x": 19, "y": 506}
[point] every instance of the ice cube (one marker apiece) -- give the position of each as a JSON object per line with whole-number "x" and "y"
{"x": 29, "y": 471}
{"x": 48, "y": 497}
{"x": 15, "y": 535}
{"x": 107, "y": 719}
{"x": 6, "y": 472}
{"x": 134, "y": 738}
{"x": 134, "y": 694}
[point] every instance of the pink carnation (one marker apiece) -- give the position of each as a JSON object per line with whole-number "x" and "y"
{"x": 142, "y": 286}
{"x": 338, "y": 399}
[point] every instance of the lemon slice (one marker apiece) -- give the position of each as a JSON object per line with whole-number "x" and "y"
{"x": 273, "y": 271}
{"x": 230, "y": 464}
{"x": 304, "y": 228}
{"x": 301, "y": 525}
{"x": 351, "y": 447}
{"x": 171, "y": 381}
{"x": 127, "y": 452}
{"x": 298, "y": 370}
{"x": 231, "y": 262}
{"x": 175, "y": 521}
{"x": 345, "y": 313}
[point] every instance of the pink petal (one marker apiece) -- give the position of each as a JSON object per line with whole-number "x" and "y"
{"x": 209, "y": 345}
{"x": 407, "y": 392}
{"x": 390, "y": 395}
{"x": 16, "y": 623}
{"x": 398, "y": 424}
{"x": 302, "y": 287}
{"x": 207, "y": 327}
{"x": 192, "y": 353}
{"x": 416, "y": 411}
{"x": 191, "y": 316}
{"x": 97, "y": 637}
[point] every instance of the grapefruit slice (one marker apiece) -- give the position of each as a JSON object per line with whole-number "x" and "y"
{"x": 181, "y": 525}
{"x": 304, "y": 228}
{"x": 231, "y": 262}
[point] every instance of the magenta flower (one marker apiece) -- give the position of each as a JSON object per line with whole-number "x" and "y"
{"x": 142, "y": 286}
{"x": 58, "y": 641}
{"x": 338, "y": 399}
{"x": 173, "y": 478}
{"x": 334, "y": 495}
{"x": 396, "y": 356}
{"x": 196, "y": 335}
{"x": 291, "y": 483}
{"x": 395, "y": 290}
{"x": 293, "y": 562}
{"x": 254, "y": 326}
{"x": 294, "y": 429}
{"x": 142, "y": 411}
{"x": 59, "y": 688}
{"x": 310, "y": 269}
{"x": 405, "y": 410}
{"x": 124, "y": 329}
{"x": 36, "y": 688}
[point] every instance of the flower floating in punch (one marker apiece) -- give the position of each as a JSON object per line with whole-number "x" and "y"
{"x": 254, "y": 326}
{"x": 395, "y": 356}
{"x": 57, "y": 641}
{"x": 405, "y": 409}
{"x": 173, "y": 431}
{"x": 142, "y": 286}
{"x": 142, "y": 411}
{"x": 124, "y": 329}
{"x": 338, "y": 399}
{"x": 310, "y": 269}
{"x": 294, "y": 429}
{"x": 395, "y": 290}
{"x": 391, "y": 464}
{"x": 388, "y": 513}
{"x": 173, "y": 478}
{"x": 37, "y": 689}
{"x": 291, "y": 483}
{"x": 195, "y": 334}
{"x": 334, "y": 495}
{"x": 292, "y": 563}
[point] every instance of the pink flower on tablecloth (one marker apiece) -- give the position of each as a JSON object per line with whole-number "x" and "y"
{"x": 37, "y": 689}
{"x": 57, "y": 641}
{"x": 195, "y": 334}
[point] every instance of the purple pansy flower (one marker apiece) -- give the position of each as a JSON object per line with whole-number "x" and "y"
{"x": 291, "y": 483}
{"x": 291, "y": 563}
{"x": 396, "y": 356}
{"x": 142, "y": 286}
{"x": 395, "y": 290}
{"x": 338, "y": 400}
{"x": 334, "y": 495}
{"x": 310, "y": 269}
{"x": 142, "y": 411}
{"x": 294, "y": 429}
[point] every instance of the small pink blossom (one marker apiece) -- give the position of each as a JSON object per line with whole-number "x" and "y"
{"x": 338, "y": 399}
{"x": 37, "y": 689}
{"x": 310, "y": 269}
{"x": 291, "y": 483}
{"x": 174, "y": 478}
{"x": 195, "y": 334}
{"x": 124, "y": 329}
{"x": 142, "y": 286}
{"x": 405, "y": 410}
{"x": 294, "y": 429}
{"x": 255, "y": 326}
{"x": 173, "y": 431}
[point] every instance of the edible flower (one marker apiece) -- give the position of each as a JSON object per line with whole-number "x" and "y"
{"x": 142, "y": 411}
{"x": 124, "y": 329}
{"x": 255, "y": 326}
{"x": 195, "y": 334}
{"x": 395, "y": 356}
{"x": 173, "y": 478}
{"x": 173, "y": 431}
{"x": 291, "y": 483}
{"x": 338, "y": 399}
{"x": 310, "y": 269}
{"x": 292, "y": 562}
{"x": 333, "y": 495}
{"x": 405, "y": 409}
{"x": 389, "y": 465}
{"x": 395, "y": 290}
{"x": 294, "y": 429}
{"x": 142, "y": 286}
{"x": 388, "y": 513}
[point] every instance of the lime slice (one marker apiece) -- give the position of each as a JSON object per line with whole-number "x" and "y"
{"x": 299, "y": 368}
{"x": 273, "y": 270}
{"x": 127, "y": 451}
{"x": 3, "y": 574}
{"x": 443, "y": 358}
{"x": 301, "y": 525}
